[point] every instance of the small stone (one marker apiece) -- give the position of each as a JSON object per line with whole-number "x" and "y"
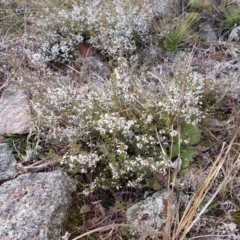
{"x": 235, "y": 34}
{"x": 3, "y": 47}
{"x": 151, "y": 213}
{"x": 207, "y": 32}
{"x": 14, "y": 112}
{"x": 2, "y": 139}
{"x": 161, "y": 8}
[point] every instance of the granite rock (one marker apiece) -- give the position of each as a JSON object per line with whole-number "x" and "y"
{"x": 7, "y": 163}
{"x": 14, "y": 112}
{"x": 34, "y": 206}
{"x": 151, "y": 213}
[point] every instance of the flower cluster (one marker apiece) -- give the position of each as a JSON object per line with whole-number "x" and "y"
{"x": 60, "y": 47}
{"x": 86, "y": 162}
{"x": 112, "y": 122}
{"x": 184, "y": 93}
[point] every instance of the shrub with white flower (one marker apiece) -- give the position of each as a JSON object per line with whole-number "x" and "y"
{"x": 120, "y": 132}
{"x": 60, "y": 46}
{"x": 114, "y": 27}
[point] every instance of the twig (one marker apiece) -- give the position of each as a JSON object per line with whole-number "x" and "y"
{"x": 33, "y": 168}
{"x": 102, "y": 229}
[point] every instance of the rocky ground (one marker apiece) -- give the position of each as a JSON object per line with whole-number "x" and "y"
{"x": 38, "y": 200}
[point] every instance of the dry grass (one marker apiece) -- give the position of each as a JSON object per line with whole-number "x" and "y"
{"x": 189, "y": 217}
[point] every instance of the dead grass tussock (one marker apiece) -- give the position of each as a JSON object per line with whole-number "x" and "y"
{"x": 189, "y": 217}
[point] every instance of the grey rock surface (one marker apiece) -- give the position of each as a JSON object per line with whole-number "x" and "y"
{"x": 34, "y": 206}
{"x": 162, "y": 8}
{"x": 94, "y": 69}
{"x": 3, "y": 47}
{"x": 151, "y": 213}
{"x": 14, "y": 112}
{"x": 207, "y": 32}
{"x": 235, "y": 34}
{"x": 7, "y": 163}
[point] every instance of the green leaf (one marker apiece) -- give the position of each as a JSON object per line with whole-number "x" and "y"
{"x": 212, "y": 206}
{"x": 174, "y": 150}
{"x": 153, "y": 183}
{"x": 190, "y": 133}
{"x": 186, "y": 156}
{"x": 187, "y": 153}
{"x": 155, "y": 186}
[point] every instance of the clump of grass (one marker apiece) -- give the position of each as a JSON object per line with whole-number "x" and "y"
{"x": 176, "y": 36}
{"x": 200, "y": 4}
{"x": 236, "y": 217}
{"x": 195, "y": 208}
{"x": 231, "y": 18}
{"x": 18, "y": 144}
{"x": 13, "y": 17}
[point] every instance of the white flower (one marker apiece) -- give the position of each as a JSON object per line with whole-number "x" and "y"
{"x": 139, "y": 145}
{"x": 149, "y": 118}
